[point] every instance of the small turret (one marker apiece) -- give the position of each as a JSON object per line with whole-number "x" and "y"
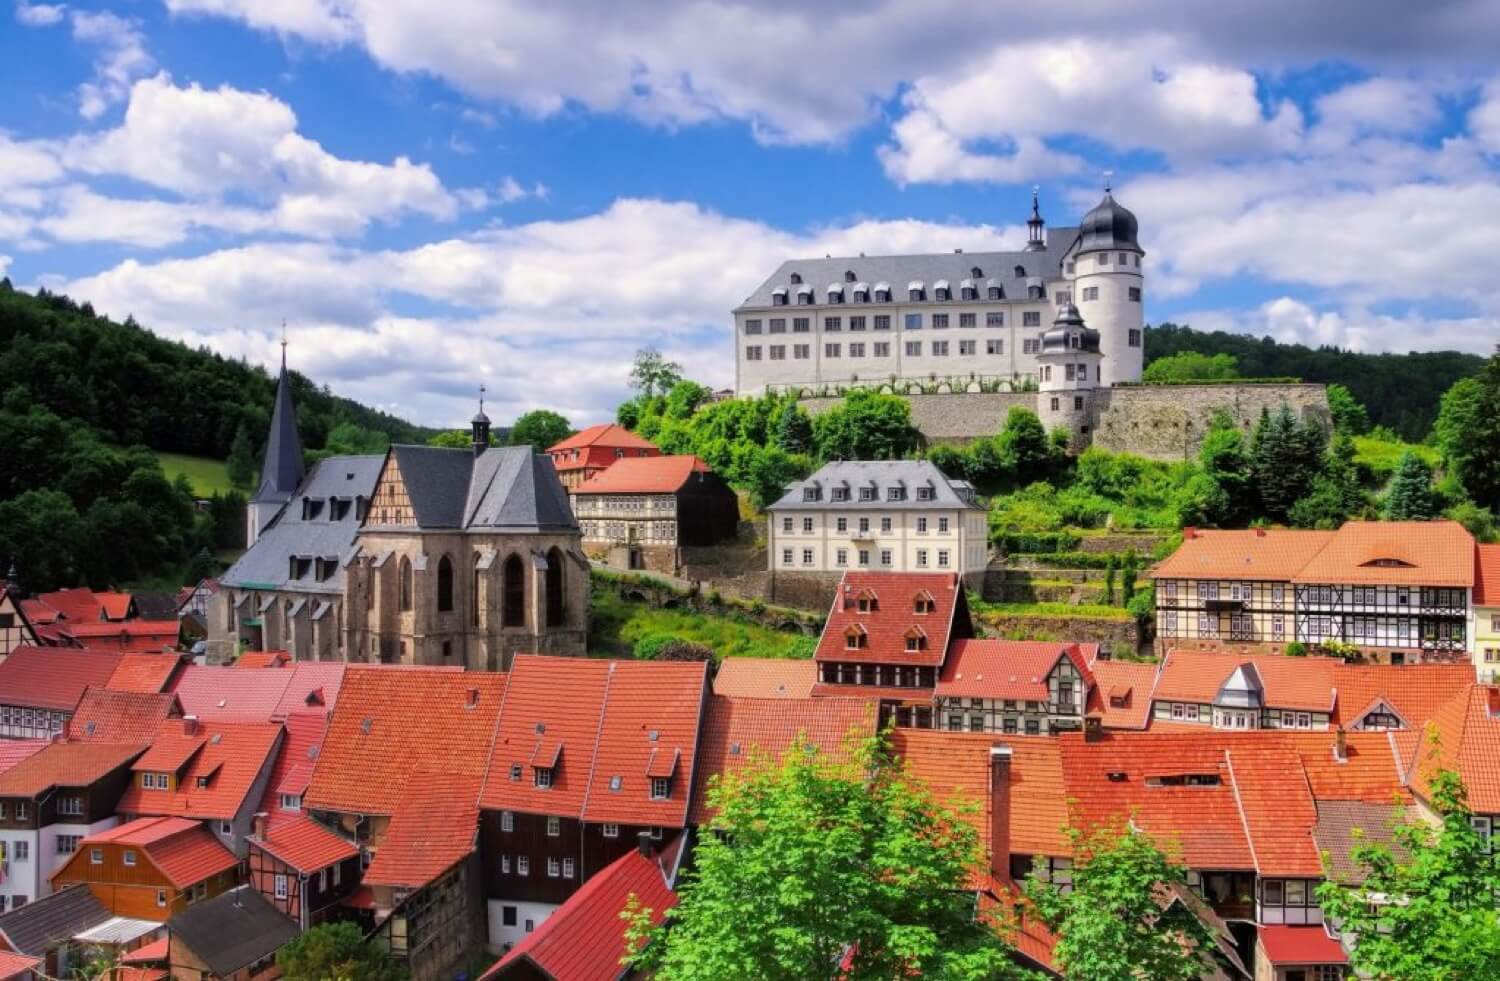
{"x": 1069, "y": 363}
{"x": 480, "y": 426}
{"x": 1035, "y": 240}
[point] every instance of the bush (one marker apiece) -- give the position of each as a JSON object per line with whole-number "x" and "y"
{"x": 683, "y": 650}
{"x": 1296, "y": 649}
{"x": 1022, "y": 543}
{"x": 649, "y": 647}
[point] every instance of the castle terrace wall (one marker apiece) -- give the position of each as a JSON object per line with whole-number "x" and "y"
{"x": 958, "y": 418}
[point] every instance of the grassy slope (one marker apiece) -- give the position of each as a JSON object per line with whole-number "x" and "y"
{"x": 618, "y": 624}
{"x": 207, "y": 475}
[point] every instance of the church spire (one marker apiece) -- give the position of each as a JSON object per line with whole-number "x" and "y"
{"x": 281, "y": 471}
{"x": 1034, "y": 225}
{"x": 480, "y": 425}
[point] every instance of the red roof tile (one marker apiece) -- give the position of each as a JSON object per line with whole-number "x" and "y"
{"x": 1304, "y": 683}
{"x": 1009, "y": 669}
{"x": 78, "y": 604}
{"x": 13, "y": 751}
{"x": 1368, "y": 771}
{"x": 1287, "y": 945}
{"x": 765, "y": 677}
{"x": 262, "y": 659}
{"x": 644, "y": 475}
{"x": 890, "y": 618}
{"x": 606, "y": 434}
{"x": 1487, "y": 575}
{"x": 114, "y": 606}
{"x": 1008, "y": 909}
{"x": 156, "y": 950}
{"x": 65, "y": 765}
{"x": 314, "y": 687}
{"x": 1414, "y": 691}
{"x": 143, "y": 672}
{"x": 304, "y": 844}
{"x": 736, "y": 730}
{"x": 295, "y": 761}
{"x": 39, "y": 613}
{"x": 584, "y": 938}
{"x": 224, "y": 694}
{"x": 130, "y": 636}
{"x": 390, "y": 723}
{"x": 184, "y": 851}
{"x": 554, "y": 704}
{"x": 434, "y": 826}
{"x": 15, "y": 966}
{"x": 1130, "y": 684}
{"x": 230, "y": 754}
{"x": 1275, "y": 554}
{"x": 1415, "y": 553}
{"x": 53, "y": 677}
{"x": 1464, "y": 736}
{"x": 1276, "y": 806}
{"x": 119, "y": 716}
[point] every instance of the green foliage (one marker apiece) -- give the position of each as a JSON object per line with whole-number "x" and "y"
{"x": 351, "y": 439}
{"x": 455, "y": 439}
{"x": 1480, "y": 523}
{"x": 1226, "y": 464}
{"x": 770, "y": 471}
{"x": 1335, "y": 494}
{"x": 539, "y": 429}
{"x": 204, "y": 476}
{"x": 1349, "y": 416}
{"x": 242, "y": 464}
{"x": 652, "y": 374}
{"x": 794, "y": 430}
{"x": 1022, "y": 543}
{"x": 1401, "y": 390}
{"x": 1410, "y": 496}
{"x": 810, "y": 858}
{"x": 617, "y": 626}
{"x": 336, "y": 952}
{"x": 1191, "y": 366}
{"x": 1109, "y": 580}
{"x": 1129, "y": 569}
{"x": 1142, "y": 605}
{"x": 1467, "y": 432}
{"x": 1377, "y": 453}
{"x": 1110, "y": 925}
{"x": 866, "y": 426}
{"x": 684, "y": 398}
{"x": 1296, "y": 648}
{"x": 1286, "y": 454}
{"x": 1427, "y": 913}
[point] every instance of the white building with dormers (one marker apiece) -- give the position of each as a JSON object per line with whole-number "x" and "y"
{"x": 961, "y": 318}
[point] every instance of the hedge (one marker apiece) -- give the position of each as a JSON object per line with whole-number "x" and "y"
{"x": 1029, "y": 543}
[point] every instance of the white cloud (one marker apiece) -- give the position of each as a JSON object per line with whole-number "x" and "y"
{"x": 122, "y": 58}
{"x": 80, "y": 215}
{"x": 39, "y": 14}
{"x": 1379, "y": 105}
{"x": 1484, "y": 119}
{"x": 1294, "y": 321}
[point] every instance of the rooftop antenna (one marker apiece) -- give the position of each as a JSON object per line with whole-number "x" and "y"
{"x": 283, "y": 343}
{"x": 481, "y": 396}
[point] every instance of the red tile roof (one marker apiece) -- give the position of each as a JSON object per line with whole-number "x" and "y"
{"x": 39, "y": 613}
{"x": 736, "y": 730}
{"x": 156, "y": 950}
{"x": 230, "y": 754}
{"x": 1367, "y": 772}
{"x": 1414, "y": 691}
{"x": 114, "y": 606}
{"x": 584, "y": 938}
{"x": 295, "y": 760}
{"x": 874, "y": 693}
{"x": 606, "y": 434}
{"x": 1008, "y": 910}
{"x": 13, "y": 751}
{"x": 644, "y": 475}
{"x": 1276, "y": 806}
{"x": 304, "y": 844}
{"x": 65, "y": 765}
{"x": 1424, "y": 553}
{"x": 15, "y": 966}
{"x": 1130, "y": 683}
{"x": 1275, "y": 554}
{"x": 1304, "y": 683}
{"x": 129, "y": 636}
{"x": 78, "y": 604}
{"x": 1464, "y": 736}
{"x": 1009, "y": 669}
{"x": 121, "y": 717}
{"x": 314, "y": 687}
{"x": 1287, "y": 945}
{"x": 887, "y": 626}
{"x": 956, "y": 767}
{"x": 765, "y": 677}
{"x": 53, "y": 677}
{"x": 390, "y": 723}
{"x": 224, "y": 694}
{"x": 143, "y": 672}
{"x": 1487, "y": 575}
{"x": 434, "y": 826}
{"x": 184, "y": 851}
{"x": 262, "y": 659}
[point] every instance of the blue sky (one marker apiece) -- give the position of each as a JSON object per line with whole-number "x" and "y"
{"x": 524, "y": 195}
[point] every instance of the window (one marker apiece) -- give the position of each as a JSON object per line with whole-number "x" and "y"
{"x": 807, "y": 556}
{"x": 913, "y": 349}
{"x": 96, "y": 856}
{"x": 554, "y": 868}
{"x": 864, "y": 557}
{"x": 1031, "y": 318}
{"x": 513, "y": 593}
{"x": 807, "y": 526}
{"x": 1077, "y": 403}
{"x": 1135, "y": 294}
{"x": 994, "y": 346}
{"x": 444, "y": 585}
{"x": 801, "y": 325}
{"x": 554, "y": 826}
{"x": 523, "y": 865}
{"x": 752, "y": 326}
{"x": 752, "y": 353}
{"x": 1090, "y": 293}
{"x": 1134, "y": 338}
{"x": 786, "y": 556}
{"x": 885, "y": 526}
{"x": 913, "y": 321}
{"x": 1104, "y": 258}
{"x": 541, "y": 777}
{"x": 921, "y": 558}
{"x": 940, "y": 349}
{"x": 67, "y": 844}
{"x": 882, "y": 349}
{"x": 507, "y": 821}
{"x": 942, "y": 526}
{"x": 830, "y": 350}
{"x": 940, "y": 321}
{"x": 857, "y": 323}
{"x": 778, "y": 325}
{"x": 72, "y": 806}
{"x": 841, "y": 557}
{"x": 161, "y": 894}
{"x": 610, "y": 830}
{"x": 1030, "y": 345}
{"x": 965, "y": 347}
{"x": 842, "y": 524}
{"x": 882, "y": 321}
{"x": 832, "y": 323}
{"x": 127, "y": 857}
{"x": 405, "y": 574}
{"x": 778, "y": 352}
{"x": 856, "y": 350}
{"x": 291, "y": 802}
{"x": 801, "y": 352}
{"x": 786, "y": 522}
{"x": 942, "y": 558}
{"x": 660, "y": 788}
{"x": 280, "y": 886}
{"x": 922, "y": 525}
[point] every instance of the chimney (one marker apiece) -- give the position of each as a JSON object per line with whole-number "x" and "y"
{"x": 190, "y": 725}
{"x": 645, "y": 845}
{"x": 1000, "y": 812}
{"x": 1189, "y": 533}
{"x": 472, "y": 698}
{"x": 258, "y": 826}
{"x": 1340, "y": 745}
{"x": 1093, "y": 727}
{"x": 1260, "y": 533}
{"x": 1492, "y": 700}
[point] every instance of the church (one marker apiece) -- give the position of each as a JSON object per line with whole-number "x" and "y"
{"x": 460, "y": 557}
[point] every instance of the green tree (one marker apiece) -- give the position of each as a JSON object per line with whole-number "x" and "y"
{"x": 540, "y": 428}
{"x": 868, "y": 426}
{"x": 1190, "y": 366}
{"x": 42, "y": 533}
{"x": 336, "y": 952}
{"x": 685, "y": 397}
{"x": 1286, "y": 454}
{"x": 1410, "y": 496}
{"x": 455, "y": 439}
{"x": 769, "y": 472}
{"x": 1227, "y": 463}
{"x": 1129, "y": 569}
{"x": 1027, "y": 453}
{"x": 812, "y": 859}
{"x": 1111, "y": 567}
{"x": 1424, "y": 911}
{"x": 1335, "y": 494}
{"x": 652, "y": 374}
{"x": 242, "y": 465}
{"x": 1111, "y": 925}
{"x": 794, "y": 430}
{"x": 1468, "y": 432}
{"x": 1349, "y": 414}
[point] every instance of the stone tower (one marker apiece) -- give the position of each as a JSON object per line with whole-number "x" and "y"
{"x": 281, "y": 472}
{"x": 1107, "y": 287}
{"x": 1071, "y": 363}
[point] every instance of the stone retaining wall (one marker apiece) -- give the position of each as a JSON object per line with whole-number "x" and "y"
{"x": 1118, "y": 637}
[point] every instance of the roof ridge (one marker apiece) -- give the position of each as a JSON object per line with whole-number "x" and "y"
{"x": 489, "y": 760}
{"x": 588, "y": 785}
{"x": 1239, "y": 806}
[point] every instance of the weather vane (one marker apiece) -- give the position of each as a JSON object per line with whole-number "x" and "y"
{"x": 1108, "y": 177}
{"x": 481, "y": 397}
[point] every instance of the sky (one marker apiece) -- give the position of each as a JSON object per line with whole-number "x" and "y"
{"x": 522, "y": 195}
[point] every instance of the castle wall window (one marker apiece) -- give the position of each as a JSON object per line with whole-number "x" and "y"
{"x": 752, "y": 353}
{"x": 939, "y": 349}
{"x": 883, "y": 350}
{"x": 556, "y": 600}
{"x": 913, "y": 349}
{"x": 513, "y": 595}
{"x": 801, "y": 325}
{"x": 856, "y": 350}
{"x": 882, "y": 321}
{"x": 994, "y": 318}
{"x": 1134, "y": 338}
{"x": 1054, "y": 403}
{"x": 1078, "y": 403}
{"x": 752, "y": 326}
{"x": 1031, "y": 318}
{"x": 1104, "y": 258}
{"x": 1030, "y": 345}
{"x": 1123, "y": 259}
{"x": 857, "y": 323}
{"x": 1090, "y": 293}
{"x": 801, "y": 352}
{"x": 1135, "y": 294}
{"x": 778, "y": 352}
{"x": 940, "y": 321}
{"x": 778, "y": 325}
{"x": 967, "y": 320}
{"x": 474, "y": 580}
{"x": 994, "y": 347}
{"x": 405, "y": 589}
{"x": 996, "y": 293}
{"x": 966, "y": 347}
{"x": 913, "y": 321}
{"x": 444, "y": 585}
{"x": 830, "y": 350}
{"x": 833, "y": 323}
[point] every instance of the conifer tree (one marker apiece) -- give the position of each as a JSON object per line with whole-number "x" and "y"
{"x": 241, "y": 462}
{"x": 1410, "y": 497}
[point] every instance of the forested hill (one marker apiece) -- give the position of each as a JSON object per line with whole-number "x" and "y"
{"x": 1399, "y": 390}
{"x": 133, "y": 387}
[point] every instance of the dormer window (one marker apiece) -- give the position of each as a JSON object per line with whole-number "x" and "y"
{"x": 661, "y": 788}
{"x": 895, "y": 493}
{"x": 941, "y": 290}
{"x": 926, "y": 493}
{"x": 996, "y": 292}
{"x": 841, "y": 494}
{"x": 882, "y": 294}
{"x": 916, "y": 639}
{"x": 812, "y": 493}
{"x": 849, "y": 276}
{"x": 778, "y": 297}
{"x": 867, "y": 493}
{"x": 151, "y": 780}
{"x": 916, "y": 291}
{"x": 855, "y": 638}
{"x": 291, "y": 802}
{"x": 861, "y": 296}
{"x": 867, "y": 602}
{"x": 835, "y": 293}
{"x": 976, "y": 272}
{"x": 312, "y": 507}
{"x": 541, "y": 777}
{"x": 1020, "y": 272}
{"x": 796, "y": 279}
{"x": 924, "y": 604}
{"x": 804, "y": 295}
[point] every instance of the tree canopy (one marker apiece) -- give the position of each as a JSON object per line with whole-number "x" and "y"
{"x": 653, "y": 374}
{"x": 1186, "y": 366}
{"x": 1467, "y": 432}
{"x": 336, "y": 952}
{"x": 539, "y": 429}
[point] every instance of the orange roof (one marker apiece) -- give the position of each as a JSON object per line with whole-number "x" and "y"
{"x": 156, "y": 950}
{"x": 314, "y": 687}
{"x": 1304, "y": 683}
{"x": 262, "y": 659}
{"x": 890, "y": 618}
{"x": 119, "y": 716}
{"x": 53, "y": 677}
{"x": 765, "y": 677}
{"x": 390, "y": 723}
{"x": 304, "y": 844}
{"x": 225, "y": 694}
{"x": 15, "y": 966}
{"x": 13, "y": 751}
{"x": 1368, "y": 772}
{"x": 131, "y": 635}
{"x": 434, "y": 826}
{"x": 1413, "y": 553}
{"x": 1414, "y": 691}
{"x": 1275, "y": 554}
{"x": 736, "y": 730}
{"x": 1009, "y": 669}
{"x": 114, "y": 606}
{"x": 230, "y": 756}
{"x": 1464, "y": 736}
{"x": 644, "y": 475}
{"x": 78, "y": 604}
{"x": 606, "y": 434}
{"x": 184, "y": 851}
{"x": 143, "y": 672}
{"x": 1487, "y": 575}
{"x": 293, "y": 769}
{"x": 1277, "y": 808}
{"x": 1011, "y": 913}
{"x": 65, "y": 765}
{"x": 551, "y": 716}
{"x": 39, "y": 613}
{"x": 1129, "y": 683}
{"x": 956, "y": 767}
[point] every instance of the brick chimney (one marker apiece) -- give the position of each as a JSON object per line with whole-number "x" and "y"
{"x": 645, "y": 844}
{"x": 1093, "y": 727}
{"x": 190, "y": 725}
{"x": 1260, "y": 533}
{"x": 1000, "y": 812}
{"x": 1189, "y": 533}
{"x": 1340, "y": 745}
{"x": 258, "y": 826}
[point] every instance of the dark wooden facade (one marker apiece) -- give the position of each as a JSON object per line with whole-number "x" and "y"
{"x": 94, "y": 802}
{"x": 309, "y": 895}
{"x": 585, "y": 845}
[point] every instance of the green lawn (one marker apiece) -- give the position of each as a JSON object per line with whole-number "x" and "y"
{"x": 207, "y": 475}
{"x": 1380, "y": 456}
{"x": 618, "y": 625}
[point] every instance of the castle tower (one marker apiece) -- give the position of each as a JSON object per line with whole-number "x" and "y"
{"x": 1107, "y": 287}
{"x": 281, "y": 472}
{"x": 1070, "y": 364}
{"x": 1035, "y": 226}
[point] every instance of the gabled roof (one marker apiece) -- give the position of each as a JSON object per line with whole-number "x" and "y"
{"x": 121, "y": 717}
{"x": 1414, "y": 691}
{"x": 313, "y": 687}
{"x": 765, "y": 677}
{"x": 434, "y": 826}
{"x": 304, "y": 844}
{"x": 887, "y": 625}
{"x": 507, "y": 488}
{"x": 263, "y": 659}
{"x": 143, "y": 672}
{"x": 114, "y": 606}
{"x": 53, "y": 677}
{"x": 1367, "y": 770}
{"x": 184, "y": 851}
{"x": 230, "y": 694}
{"x": 392, "y": 722}
{"x": 1487, "y": 575}
{"x": 1273, "y": 555}
{"x": 1009, "y": 669}
{"x": 131, "y": 635}
{"x": 1464, "y": 736}
{"x": 52, "y": 920}
{"x": 1300, "y": 683}
{"x": 233, "y": 930}
{"x": 14, "y": 967}
{"x": 608, "y": 434}
{"x": 1128, "y": 682}
{"x": 78, "y": 604}
{"x": 584, "y": 938}
{"x": 737, "y": 730}
{"x": 65, "y": 765}
{"x": 1413, "y": 553}
{"x": 1277, "y": 808}
{"x": 295, "y": 761}
{"x": 645, "y": 475}
{"x": 230, "y": 754}
{"x": 14, "y": 751}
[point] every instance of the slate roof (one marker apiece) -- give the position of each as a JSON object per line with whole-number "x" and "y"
{"x": 1487, "y": 575}
{"x": 267, "y": 563}
{"x": 1009, "y": 669}
{"x": 104, "y": 715}
{"x": 155, "y": 606}
{"x": 899, "y": 270}
{"x": 882, "y": 474}
{"x": 304, "y": 844}
{"x": 53, "y": 677}
{"x": 765, "y": 677}
{"x": 281, "y": 466}
{"x": 232, "y": 930}
{"x": 1338, "y": 822}
{"x": 645, "y": 475}
{"x": 505, "y": 488}
{"x": 894, "y": 614}
{"x": 231, "y": 754}
{"x": 52, "y": 920}
{"x": 65, "y": 765}
{"x": 435, "y": 825}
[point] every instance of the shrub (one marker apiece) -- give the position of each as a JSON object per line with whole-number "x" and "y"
{"x": 649, "y": 647}
{"x": 1026, "y": 542}
{"x": 1296, "y": 649}
{"x": 683, "y": 650}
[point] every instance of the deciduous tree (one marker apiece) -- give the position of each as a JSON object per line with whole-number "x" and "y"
{"x": 539, "y": 429}
{"x": 336, "y": 952}
{"x": 653, "y": 374}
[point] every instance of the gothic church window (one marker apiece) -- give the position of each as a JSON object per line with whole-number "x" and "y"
{"x": 405, "y": 584}
{"x": 556, "y": 606}
{"x": 445, "y": 585}
{"x": 513, "y": 612}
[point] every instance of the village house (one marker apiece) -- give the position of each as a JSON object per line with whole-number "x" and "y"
{"x": 15, "y": 628}
{"x": 1485, "y": 630}
{"x": 1464, "y": 738}
{"x": 232, "y": 937}
{"x": 150, "y": 868}
{"x": 1011, "y": 686}
{"x": 301, "y": 868}
{"x": 44, "y": 930}
{"x": 643, "y": 511}
{"x": 108, "y": 716}
{"x": 586, "y": 454}
{"x": 41, "y": 686}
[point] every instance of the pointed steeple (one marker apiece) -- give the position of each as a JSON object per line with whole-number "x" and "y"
{"x": 281, "y": 472}
{"x": 480, "y": 425}
{"x": 1034, "y": 225}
